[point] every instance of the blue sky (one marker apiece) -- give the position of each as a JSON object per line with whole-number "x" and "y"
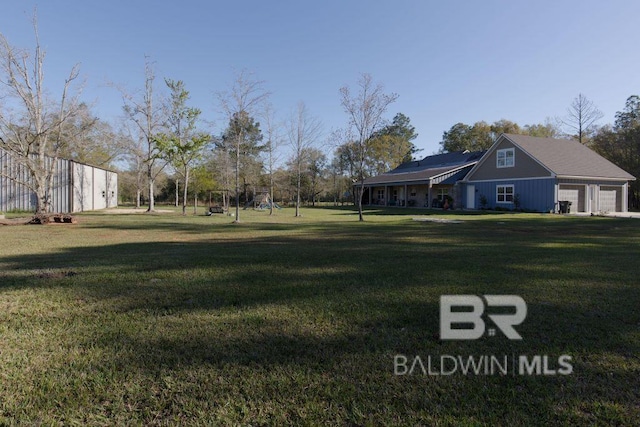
{"x": 448, "y": 61}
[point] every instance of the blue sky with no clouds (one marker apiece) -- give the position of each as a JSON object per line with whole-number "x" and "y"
{"x": 449, "y": 62}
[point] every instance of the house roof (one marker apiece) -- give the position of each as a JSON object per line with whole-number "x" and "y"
{"x": 567, "y": 157}
{"x": 428, "y": 168}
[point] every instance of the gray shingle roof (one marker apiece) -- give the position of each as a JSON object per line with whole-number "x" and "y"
{"x": 567, "y": 157}
{"x": 427, "y": 168}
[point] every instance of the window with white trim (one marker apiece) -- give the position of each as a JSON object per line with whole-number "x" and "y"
{"x": 504, "y": 194}
{"x": 380, "y": 194}
{"x": 506, "y": 158}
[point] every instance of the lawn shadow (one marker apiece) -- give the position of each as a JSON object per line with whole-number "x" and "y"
{"x": 340, "y": 300}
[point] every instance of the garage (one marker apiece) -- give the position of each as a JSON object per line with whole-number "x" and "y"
{"x": 608, "y": 199}
{"x": 574, "y": 194}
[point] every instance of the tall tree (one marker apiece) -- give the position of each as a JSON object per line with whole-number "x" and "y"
{"x": 365, "y": 110}
{"x": 621, "y": 144}
{"x": 548, "y": 129}
{"x": 317, "y": 170}
{"x": 303, "y": 131}
{"x": 481, "y": 135}
{"x": 183, "y": 145}
{"x": 134, "y": 155}
{"x": 240, "y": 102}
{"x": 504, "y": 126}
{"x": 465, "y": 137}
{"x": 242, "y": 141}
{"x": 148, "y": 117}
{"x": 581, "y": 118}
{"x": 91, "y": 140}
{"x": 272, "y": 132}
{"x": 392, "y": 145}
{"x": 31, "y": 123}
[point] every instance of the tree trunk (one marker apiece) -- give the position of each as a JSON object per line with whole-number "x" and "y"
{"x": 298, "y": 184}
{"x": 359, "y": 200}
{"x": 195, "y": 204}
{"x": 177, "y": 191}
{"x": 184, "y": 196}
{"x": 238, "y": 182}
{"x": 271, "y": 202}
{"x": 152, "y": 204}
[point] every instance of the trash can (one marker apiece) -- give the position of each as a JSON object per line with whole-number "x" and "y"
{"x": 564, "y": 206}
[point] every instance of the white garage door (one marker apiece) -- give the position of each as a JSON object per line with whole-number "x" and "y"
{"x": 608, "y": 200}
{"x": 570, "y": 194}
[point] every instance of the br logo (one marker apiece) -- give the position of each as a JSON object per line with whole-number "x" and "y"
{"x": 468, "y": 312}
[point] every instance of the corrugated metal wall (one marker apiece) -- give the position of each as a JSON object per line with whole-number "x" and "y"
{"x": 14, "y": 196}
{"x": 76, "y": 187}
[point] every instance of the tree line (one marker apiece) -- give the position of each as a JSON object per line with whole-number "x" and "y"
{"x": 164, "y": 149}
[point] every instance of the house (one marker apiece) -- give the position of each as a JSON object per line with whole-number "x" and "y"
{"x": 536, "y": 174}
{"x": 421, "y": 183}
{"x": 76, "y": 187}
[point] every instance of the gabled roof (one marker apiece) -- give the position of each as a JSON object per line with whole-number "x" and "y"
{"x": 428, "y": 168}
{"x": 567, "y": 157}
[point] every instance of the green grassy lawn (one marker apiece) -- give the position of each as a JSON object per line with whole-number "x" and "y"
{"x": 164, "y": 319}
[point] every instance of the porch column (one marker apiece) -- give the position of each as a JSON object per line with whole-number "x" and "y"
{"x": 429, "y": 195}
{"x": 625, "y": 197}
{"x": 386, "y": 194}
{"x": 405, "y": 196}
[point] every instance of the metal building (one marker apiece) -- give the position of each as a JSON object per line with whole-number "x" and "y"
{"x": 76, "y": 187}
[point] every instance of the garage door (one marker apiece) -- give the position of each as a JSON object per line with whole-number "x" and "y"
{"x": 570, "y": 194}
{"x": 608, "y": 200}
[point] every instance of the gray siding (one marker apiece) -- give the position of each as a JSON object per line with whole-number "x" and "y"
{"x": 525, "y": 166}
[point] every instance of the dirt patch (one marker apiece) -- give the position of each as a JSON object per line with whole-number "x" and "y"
{"x": 439, "y": 220}
{"x": 134, "y": 211}
{"x": 56, "y": 274}
{"x": 14, "y": 221}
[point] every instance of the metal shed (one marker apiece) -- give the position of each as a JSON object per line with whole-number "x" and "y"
{"x": 77, "y": 187}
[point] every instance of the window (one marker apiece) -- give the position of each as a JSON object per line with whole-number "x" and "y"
{"x": 506, "y": 158}
{"x": 442, "y": 192}
{"x": 394, "y": 195}
{"x": 504, "y": 194}
{"x": 380, "y": 194}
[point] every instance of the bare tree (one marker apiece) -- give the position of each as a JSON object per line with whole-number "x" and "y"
{"x": 134, "y": 154}
{"x": 244, "y": 98}
{"x": 272, "y": 130}
{"x": 303, "y": 131}
{"x": 30, "y": 122}
{"x": 581, "y": 118}
{"x": 149, "y": 120}
{"x": 365, "y": 110}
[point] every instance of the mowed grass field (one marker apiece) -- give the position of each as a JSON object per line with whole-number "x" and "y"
{"x": 170, "y": 320}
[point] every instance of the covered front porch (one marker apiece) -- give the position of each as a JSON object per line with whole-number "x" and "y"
{"x": 408, "y": 195}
